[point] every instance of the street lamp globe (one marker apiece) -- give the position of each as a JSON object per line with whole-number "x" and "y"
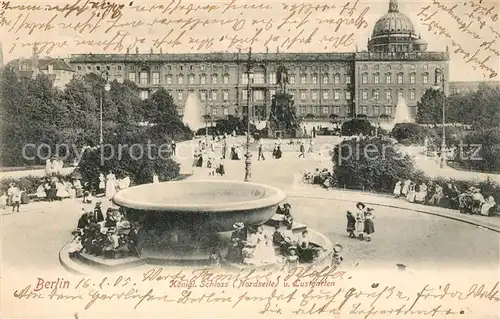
{"x": 107, "y": 87}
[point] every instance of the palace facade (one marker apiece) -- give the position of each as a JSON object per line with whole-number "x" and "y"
{"x": 395, "y": 69}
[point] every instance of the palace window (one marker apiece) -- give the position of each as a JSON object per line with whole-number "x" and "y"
{"x": 292, "y": 79}
{"x": 169, "y": 79}
{"x": 426, "y": 66}
{"x": 336, "y": 78}
{"x": 226, "y": 111}
{"x": 412, "y": 67}
{"x": 325, "y": 110}
{"x": 303, "y": 79}
{"x": 388, "y": 95}
{"x": 376, "y": 78}
{"x": 400, "y": 94}
{"x": 376, "y": 110}
{"x": 156, "y": 78}
{"x": 144, "y": 95}
{"x": 203, "y": 79}
{"x": 226, "y": 79}
{"x": 347, "y": 95}
{"x": 412, "y": 78}
{"x": 336, "y": 96}
{"x": 180, "y": 79}
{"x": 79, "y": 68}
{"x": 131, "y": 77}
{"x": 325, "y": 95}
{"x": 119, "y": 68}
{"x": 303, "y": 110}
{"x": 180, "y": 95}
{"x": 425, "y": 78}
{"x": 315, "y": 110}
{"x": 259, "y": 78}
{"x": 181, "y": 111}
{"x": 203, "y": 95}
{"x": 258, "y": 95}
{"x": 376, "y": 95}
{"x": 143, "y": 77}
{"x": 364, "y": 78}
{"x": 214, "y": 79}
{"x": 214, "y": 95}
{"x": 191, "y": 68}
{"x": 302, "y": 95}
{"x": 348, "y": 79}
{"x": 438, "y": 78}
{"x": 225, "y": 95}
{"x": 364, "y": 109}
{"x": 336, "y": 109}
{"x": 412, "y": 94}
{"x": 314, "y": 95}
{"x": 244, "y": 95}
{"x": 272, "y": 78}
{"x": 191, "y": 79}
{"x": 244, "y": 78}
{"x": 169, "y": 68}
{"x": 202, "y": 68}
{"x": 325, "y": 78}
{"x": 364, "y": 95}
{"x": 272, "y": 92}
{"x": 388, "y": 78}
{"x": 315, "y": 79}
{"x": 98, "y": 68}
{"x": 388, "y": 110}
{"x": 400, "y": 78}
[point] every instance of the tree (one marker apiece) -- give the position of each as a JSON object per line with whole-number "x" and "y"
{"x": 374, "y": 164}
{"x": 162, "y": 113}
{"x": 430, "y": 107}
{"x": 409, "y": 133}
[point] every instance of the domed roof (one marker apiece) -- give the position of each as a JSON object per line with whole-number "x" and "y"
{"x": 393, "y": 22}
{"x": 419, "y": 41}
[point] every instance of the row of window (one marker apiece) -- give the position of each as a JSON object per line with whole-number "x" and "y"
{"x": 399, "y": 78}
{"x": 315, "y": 78}
{"x": 388, "y": 94}
{"x": 398, "y": 66}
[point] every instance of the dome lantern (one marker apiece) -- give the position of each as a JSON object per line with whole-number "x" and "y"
{"x": 393, "y": 6}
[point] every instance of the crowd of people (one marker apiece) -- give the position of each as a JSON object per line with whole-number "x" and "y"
{"x": 252, "y": 246}
{"x": 321, "y": 177}
{"x": 112, "y": 236}
{"x": 469, "y": 201}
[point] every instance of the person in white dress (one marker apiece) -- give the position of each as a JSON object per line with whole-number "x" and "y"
{"x": 62, "y": 192}
{"x": 40, "y": 192}
{"x": 156, "y": 179}
{"x": 110, "y": 185}
{"x": 485, "y": 208}
{"x": 406, "y": 187}
{"x": 360, "y": 220}
{"x": 421, "y": 194}
{"x": 48, "y": 167}
{"x": 397, "y": 189}
{"x": 265, "y": 249}
{"x": 102, "y": 183}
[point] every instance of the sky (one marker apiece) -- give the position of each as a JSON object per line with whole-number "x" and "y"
{"x": 438, "y": 27}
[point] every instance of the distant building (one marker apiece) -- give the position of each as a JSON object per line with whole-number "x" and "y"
{"x": 470, "y": 86}
{"x": 325, "y": 85}
{"x": 58, "y": 70}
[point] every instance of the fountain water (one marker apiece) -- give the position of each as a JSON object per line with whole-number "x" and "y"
{"x": 193, "y": 113}
{"x": 402, "y": 115}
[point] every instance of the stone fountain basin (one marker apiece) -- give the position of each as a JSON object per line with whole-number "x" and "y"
{"x": 209, "y": 204}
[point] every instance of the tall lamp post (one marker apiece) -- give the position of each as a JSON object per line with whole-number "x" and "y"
{"x": 248, "y": 156}
{"x": 440, "y": 85}
{"x": 206, "y": 116}
{"x": 107, "y": 87}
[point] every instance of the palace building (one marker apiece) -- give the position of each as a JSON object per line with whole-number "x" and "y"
{"x": 396, "y": 68}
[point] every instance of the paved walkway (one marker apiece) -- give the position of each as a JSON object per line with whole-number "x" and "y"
{"x": 491, "y": 223}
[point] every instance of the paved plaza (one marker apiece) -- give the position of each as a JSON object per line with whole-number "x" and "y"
{"x": 403, "y": 235}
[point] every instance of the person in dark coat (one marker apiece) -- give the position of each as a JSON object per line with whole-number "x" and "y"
{"x": 98, "y": 216}
{"x": 351, "y": 224}
{"x": 280, "y": 240}
{"x": 238, "y": 239}
{"x": 83, "y": 221}
{"x": 369, "y": 225}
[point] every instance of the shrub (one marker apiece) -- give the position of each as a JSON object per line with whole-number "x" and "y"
{"x": 356, "y": 126}
{"x": 409, "y": 133}
{"x": 372, "y": 163}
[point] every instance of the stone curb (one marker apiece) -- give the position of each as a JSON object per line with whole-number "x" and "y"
{"x": 456, "y": 218}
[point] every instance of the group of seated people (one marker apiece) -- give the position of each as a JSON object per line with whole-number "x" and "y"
{"x": 319, "y": 177}
{"x": 469, "y": 201}
{"x": 112, "y": 236}
{"x": 252, "y": 246}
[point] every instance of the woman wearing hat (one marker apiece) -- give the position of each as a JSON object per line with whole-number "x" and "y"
{"x": 360, "y": 220}
{"x": 238, "y": 238}
{"x": 292, "y": 260}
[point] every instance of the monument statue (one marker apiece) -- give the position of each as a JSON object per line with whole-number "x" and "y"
{"x": 282, "y": 77}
